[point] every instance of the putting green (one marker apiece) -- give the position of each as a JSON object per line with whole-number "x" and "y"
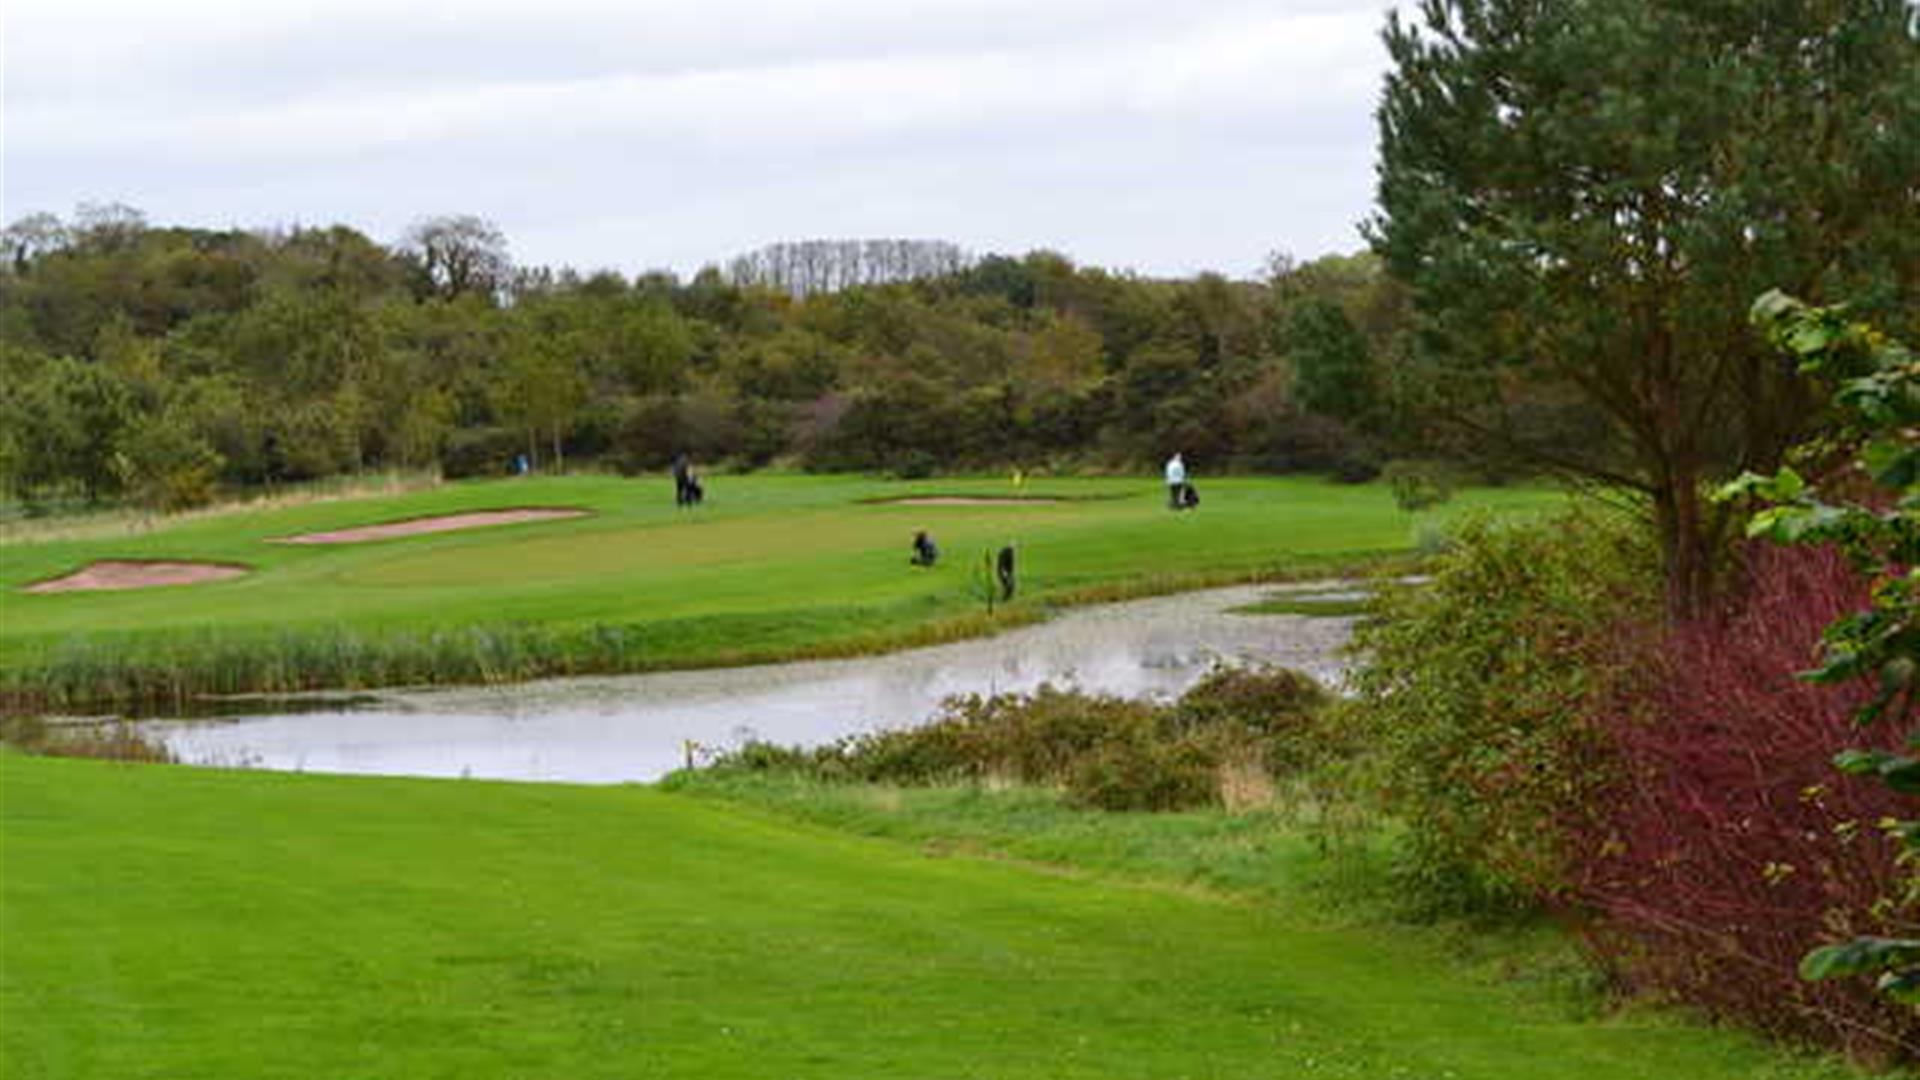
{"x": 773, "y": 565}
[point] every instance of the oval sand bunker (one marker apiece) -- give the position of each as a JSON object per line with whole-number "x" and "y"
{"x": 478, "y": 519}
{"x": 127, "y": 574}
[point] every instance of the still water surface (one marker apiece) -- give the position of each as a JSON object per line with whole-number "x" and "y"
{"x": 638, "y": 727}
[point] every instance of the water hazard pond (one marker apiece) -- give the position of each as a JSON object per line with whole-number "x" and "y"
{"x": 637, "y": 727}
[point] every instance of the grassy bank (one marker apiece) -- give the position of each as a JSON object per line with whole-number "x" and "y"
{"x": 774, "y": 568}
{"x": 163, "y": 921}
{"x": 1320, "y": 607}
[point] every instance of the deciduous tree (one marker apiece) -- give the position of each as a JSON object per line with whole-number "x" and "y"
{"x": 460, "y": 253}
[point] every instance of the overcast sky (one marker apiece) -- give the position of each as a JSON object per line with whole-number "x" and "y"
{"x": 1164, "y": 136}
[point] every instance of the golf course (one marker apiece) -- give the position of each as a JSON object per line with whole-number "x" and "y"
{"x": 772, "y": 567}
{"x": 870, "y": 541}
{"x": 163, "y": 920}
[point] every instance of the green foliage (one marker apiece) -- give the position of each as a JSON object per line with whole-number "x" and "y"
{"x": 1876, "y": 385}
{"x": 1896, "y": 962}
{"x": 481, "y": 452}
{"x": 1585, "y": 195}
{"x": 64, "y": 421}
{"x": 1122, "y": 775}
{"x": 650, "y": 348}
{"x": 425, "y": 425}
{"x": 1274, "y": 711}
{"x": 541, "y": 391}
{"x": 315, "y": 440}
{"x": 317, "y": 351}
{"x": 903, "y": 425}
{"x": 163, "y": 465}
{"x": 1474, "y": 698}
{"x": 1419, "y": 485}
{"x": 1332, "y": 372}
{"x": 1105, "y": 752}
{"x": 1310, "y": 606}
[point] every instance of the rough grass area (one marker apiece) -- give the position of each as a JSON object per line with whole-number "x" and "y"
{"x": 1313, "y": 607}
{"x": 163, "y": 921}
{"x": 773, "y": 567}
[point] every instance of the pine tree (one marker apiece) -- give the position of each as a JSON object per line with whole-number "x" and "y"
{"x": 1587, "y": 195}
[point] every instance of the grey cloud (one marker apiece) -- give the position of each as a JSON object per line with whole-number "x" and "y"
{"x": 1123, "y": 132}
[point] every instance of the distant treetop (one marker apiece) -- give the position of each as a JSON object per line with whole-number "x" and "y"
{"x": 806, "y": 267}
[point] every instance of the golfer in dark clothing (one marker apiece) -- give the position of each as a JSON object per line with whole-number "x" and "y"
{"x": 682, "y": 481}
{"x": 925, "y": 551}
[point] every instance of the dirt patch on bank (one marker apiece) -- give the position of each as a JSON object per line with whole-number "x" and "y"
{"x": 478, "y": 519}
{"x": 132, "y": 574}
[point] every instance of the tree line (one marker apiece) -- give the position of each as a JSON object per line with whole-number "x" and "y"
{"x": 163, "y": 363}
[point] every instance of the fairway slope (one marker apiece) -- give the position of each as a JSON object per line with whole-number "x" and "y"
{"x": 966, "y": 500}
{"x": 164, "y": 921}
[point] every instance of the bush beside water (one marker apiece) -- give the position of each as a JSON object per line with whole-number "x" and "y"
{"x": 1547, "y": 740}
{"x": 1477, "y": 698}
{"x": 1105, "y": 752}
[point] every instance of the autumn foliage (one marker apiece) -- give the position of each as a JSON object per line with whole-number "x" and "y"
{"x": 1726, "y": 846}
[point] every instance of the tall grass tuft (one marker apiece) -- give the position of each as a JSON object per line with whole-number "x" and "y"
{"x": 116, "y": 741}
{"x": 150, "y": 675}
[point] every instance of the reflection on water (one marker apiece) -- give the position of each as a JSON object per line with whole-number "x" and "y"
{"x": 637, "y": 727}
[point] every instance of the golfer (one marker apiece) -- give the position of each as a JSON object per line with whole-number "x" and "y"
{"x": 925, "y": 551}
{"x": 682, "y": 480}
{"x": 1176, "y": 482}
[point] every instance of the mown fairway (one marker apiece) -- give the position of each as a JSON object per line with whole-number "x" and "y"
{"x": 169, "y": 922}
{"x": 773, "y": 565}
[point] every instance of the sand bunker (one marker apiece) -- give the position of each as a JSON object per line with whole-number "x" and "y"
{"x": 478, "y": 519}
{"x": 968, "y": 500}
{"x": 119, "y": 574}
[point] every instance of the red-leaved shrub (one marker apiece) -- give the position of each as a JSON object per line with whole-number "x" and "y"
{"x": 1727, "y": 845}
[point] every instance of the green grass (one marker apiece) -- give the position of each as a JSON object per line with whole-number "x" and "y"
{"x": 774, "y": 567}
{"x": 170, "y": 922}
{"x": 1269, "y": 857}
{"x": 1314, "y": 607}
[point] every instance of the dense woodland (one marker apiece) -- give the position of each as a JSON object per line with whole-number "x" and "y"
{"x": 160, "y": 363}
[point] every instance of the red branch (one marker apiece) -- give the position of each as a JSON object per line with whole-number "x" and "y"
{"x": 1728, "y": 845}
